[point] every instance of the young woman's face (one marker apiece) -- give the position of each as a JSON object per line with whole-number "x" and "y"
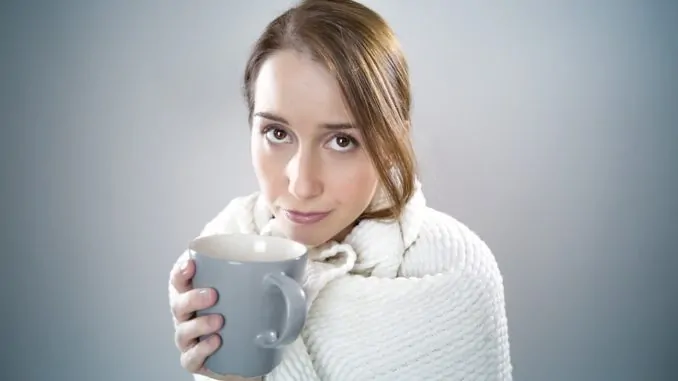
{"x": 307, "y": 153}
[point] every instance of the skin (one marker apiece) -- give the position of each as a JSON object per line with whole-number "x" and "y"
{"x": 306, "y": 151}
{"x": 308, "y": 156}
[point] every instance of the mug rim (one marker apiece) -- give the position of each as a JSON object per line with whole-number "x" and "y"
{"x": 298, "y": 250}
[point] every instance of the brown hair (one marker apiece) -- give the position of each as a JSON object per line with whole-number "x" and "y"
{"x": 359, "y": 48}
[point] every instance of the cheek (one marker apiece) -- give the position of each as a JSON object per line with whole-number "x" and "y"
{"x": 268, "y": 169}
{"x": 355, "y": 184}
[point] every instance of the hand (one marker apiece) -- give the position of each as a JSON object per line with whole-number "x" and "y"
{"x": 184, "y": 302}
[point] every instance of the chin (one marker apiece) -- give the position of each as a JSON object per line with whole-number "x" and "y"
{"x": 306, "y": 240}
{"x": 304, "y": 235}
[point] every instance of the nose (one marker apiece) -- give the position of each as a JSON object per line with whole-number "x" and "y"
{"x": 303, "y": 174}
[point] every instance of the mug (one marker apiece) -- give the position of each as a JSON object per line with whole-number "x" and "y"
{"x": 258, "y": 283}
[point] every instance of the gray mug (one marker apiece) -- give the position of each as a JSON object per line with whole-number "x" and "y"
{"x": 258, "y": 282}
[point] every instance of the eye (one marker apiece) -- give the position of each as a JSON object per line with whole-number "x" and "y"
{"x": 342, "y": 143}
{"x": 276, "y": 135}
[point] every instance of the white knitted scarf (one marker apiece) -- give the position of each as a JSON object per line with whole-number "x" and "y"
{"x": 367, "y": 262}
{"x": 372, "y": 248}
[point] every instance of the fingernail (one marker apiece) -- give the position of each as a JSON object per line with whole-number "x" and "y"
{"x": 183, "y": 266}
{"x": 215, "y": 321}
{"x": 204, "y": 292}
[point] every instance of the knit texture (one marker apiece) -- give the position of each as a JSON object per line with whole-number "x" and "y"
{"x": 417, "y": 299}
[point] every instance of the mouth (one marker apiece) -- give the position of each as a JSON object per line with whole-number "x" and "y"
{"x": 304, "y": 218}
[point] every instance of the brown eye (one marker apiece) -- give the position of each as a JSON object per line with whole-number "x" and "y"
{"x": 277, "y": 135}
{"x": 343, "y": 141}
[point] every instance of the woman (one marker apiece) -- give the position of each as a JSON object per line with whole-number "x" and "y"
{"x": 398, "y": 291}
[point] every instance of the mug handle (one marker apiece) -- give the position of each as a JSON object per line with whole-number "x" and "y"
{"x": 295, "y": 311}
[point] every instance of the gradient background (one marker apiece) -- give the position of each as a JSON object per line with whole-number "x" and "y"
{"x": 550, "y": 128}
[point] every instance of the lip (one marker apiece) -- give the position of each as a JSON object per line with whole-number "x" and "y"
{"x": 304, "y": 218}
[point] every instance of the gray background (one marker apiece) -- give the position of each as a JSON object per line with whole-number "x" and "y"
{"x": 548, "y": 127}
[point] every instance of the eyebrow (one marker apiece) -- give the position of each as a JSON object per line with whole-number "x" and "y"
{"x": 329, "y": 126}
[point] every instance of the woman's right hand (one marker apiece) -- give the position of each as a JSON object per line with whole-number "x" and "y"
{"x": 184, "y": 302}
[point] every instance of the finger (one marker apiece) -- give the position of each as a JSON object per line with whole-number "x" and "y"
{"x": 194, "y": 358}
{"x": 188, "y": 332}
{"x": 228, "y": 377}
{"x": 182, "y": 274}
{"x": 186, "y": 304}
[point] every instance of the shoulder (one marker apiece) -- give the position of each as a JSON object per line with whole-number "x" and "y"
{"x": 459, "y": 268}
{"x": 233, "y": 217}
{"x": 444, "y": 245}
{"x": 457, "y": 257}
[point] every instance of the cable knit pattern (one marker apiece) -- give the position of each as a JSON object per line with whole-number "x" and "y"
{"x": 417, "y": 299}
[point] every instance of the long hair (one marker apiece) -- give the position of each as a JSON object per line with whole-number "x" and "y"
{"x": 359, "y": 48}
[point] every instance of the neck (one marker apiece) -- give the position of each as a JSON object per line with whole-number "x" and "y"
{"x": 342, "y": 234}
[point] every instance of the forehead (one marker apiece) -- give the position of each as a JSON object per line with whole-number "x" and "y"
{"x": 300, "y": 89}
